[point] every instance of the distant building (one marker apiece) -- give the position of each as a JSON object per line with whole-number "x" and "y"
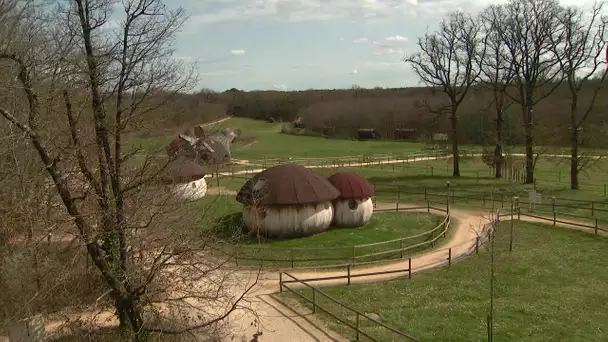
{"x": 440, "y": 137}
{"x": 211, "y": 150}
{"x": 367, "y": 134}
{"x": 404, "y": 134}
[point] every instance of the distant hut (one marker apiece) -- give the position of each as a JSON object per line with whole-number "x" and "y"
{"x": 185, "y": 179}
{"x": 404, "y": 133}
{"x": 440, "y": 137}
{"x": 287, "y": 200}
{"x": 216, "y": 148}
{"x": 199, "y": 131}
{"x": 354, "y": 207}
{"x": 182, "y": 146}
{"x": 299, "y": 123}
{"x": 367, "y": 134}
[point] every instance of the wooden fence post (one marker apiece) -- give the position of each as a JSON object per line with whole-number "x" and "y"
{"x": 348, "y": 273}
{"x": 354, "y": 254}
{"x": 292, "y": 261}
{"x": 409, "y": 268}
{"x": 425, "y": 193}
{"x": 398, "y": 197}
{"x": 450, "y": 256}
{"x": 592, "y": 208}
{"x": 554, "y": 218}
{"x": 595, "y": 226}
{"x": 401, "y": 247}
{"x": 314, "y": 301}
{"x": 428, "y": 206}
{"x": 281, "y": 282}
{"x": 477, "y": 245}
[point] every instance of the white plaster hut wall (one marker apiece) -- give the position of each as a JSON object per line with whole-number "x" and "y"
{"x": 354, "y": 212}
{"x": 190, "y": 191}
{"x": 289, "y": 220}
{"x": 354, "y": 207}
{"x": 293, "y": 201}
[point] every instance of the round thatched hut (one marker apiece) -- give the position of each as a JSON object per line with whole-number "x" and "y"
{"x": 186, "y": 179}
{"x": 287, "y": 200}
{"x": 354, "y": 207}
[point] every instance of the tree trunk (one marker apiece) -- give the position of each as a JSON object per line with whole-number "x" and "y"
{"x": 574, "y": 145}
{"x": 130, "y": 315}
{"x": 498, "y": 160}
{"x": 574, "y": 160}
{"x": 529, "y": 139}
{"x": 455, "y": 156}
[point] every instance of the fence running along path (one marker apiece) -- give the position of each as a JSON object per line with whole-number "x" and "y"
{"x": 289, "y": 282}
{"x": 501, "y": 200}
{"x": 331, "y": 163}
{"x": 358, "y": 314}
{"x": 298, "y": 255}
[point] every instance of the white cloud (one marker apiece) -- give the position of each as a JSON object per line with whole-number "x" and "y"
{"x": 238, "y": 52}
{"x": 354, "y": 72}
{"x": 396, "y": 39}
{"x": 360, "y": 40}
{"x": 390, "y": 51}
{"x": 280, "y": 86}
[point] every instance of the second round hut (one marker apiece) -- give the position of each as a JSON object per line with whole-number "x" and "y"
{"x": 354, "y": 207}
{"x": 287, "y": 200}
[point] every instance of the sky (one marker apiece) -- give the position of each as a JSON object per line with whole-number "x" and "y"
{"x": 305, "y": 44}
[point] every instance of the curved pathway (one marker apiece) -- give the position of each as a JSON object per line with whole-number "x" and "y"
{"x": 279, "y": 320}
{"x": 276, "y": 320}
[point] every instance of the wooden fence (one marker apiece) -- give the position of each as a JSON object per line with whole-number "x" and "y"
{"x": 597, "y": 209}
{"x": 285, "y": 279}
{"x": 358, "y": 314}
{"x": 349, "y": 255}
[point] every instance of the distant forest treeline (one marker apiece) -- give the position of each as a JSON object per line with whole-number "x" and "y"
{"x": 340, "y": 113}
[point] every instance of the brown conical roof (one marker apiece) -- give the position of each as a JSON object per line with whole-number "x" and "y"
{"x": 287, "y": 184}
{"x": 183, "y": 170}
{"x": 351, "y": 185}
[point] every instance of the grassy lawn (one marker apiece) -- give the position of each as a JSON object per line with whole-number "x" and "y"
{"x": 271, "y": 143}
{"x": 221, "y": 217}
{"x": 408, "y": 182}
{"x": 551, "y": 287}
{"x": 335, "y": 246}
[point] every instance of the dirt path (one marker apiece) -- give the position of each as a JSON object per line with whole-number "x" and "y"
{"x": 215, "y": 122}
{"x": 290, "y": 321}
{"x": 382, "y": 162}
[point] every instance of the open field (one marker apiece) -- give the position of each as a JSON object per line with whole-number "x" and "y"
{"x": 265, "y": 140}
{"x": 221, "y": 216}
{"x": 386, "y": 233}
{"x": 551, "y": 287}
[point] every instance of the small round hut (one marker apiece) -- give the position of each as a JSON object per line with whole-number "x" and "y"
{"x": 287, "y": 200}
{"x": 354, "y": 207}
{"x": 186, "y": 179}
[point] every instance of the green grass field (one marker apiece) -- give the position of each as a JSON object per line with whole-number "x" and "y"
{"x": 336, "y": 246}
{"x": 552, "y": 287}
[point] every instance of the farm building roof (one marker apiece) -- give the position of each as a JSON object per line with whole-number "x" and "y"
{"x": 351, "y": 185}
{"x": 183, "y": 170}
{"x": 287, "y": 184}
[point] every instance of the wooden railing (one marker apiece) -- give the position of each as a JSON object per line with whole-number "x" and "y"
{"x": 296, "y": 256}
{"x": 358, "y": 315}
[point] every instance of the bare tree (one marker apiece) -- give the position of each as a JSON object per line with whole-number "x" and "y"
{"x": 579, "y": 46}
{"x": 85, "y": 80}
{"x": 497, "y": 74}
{"x": 448, "y": 59}
{"x": 526, "y": 34}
